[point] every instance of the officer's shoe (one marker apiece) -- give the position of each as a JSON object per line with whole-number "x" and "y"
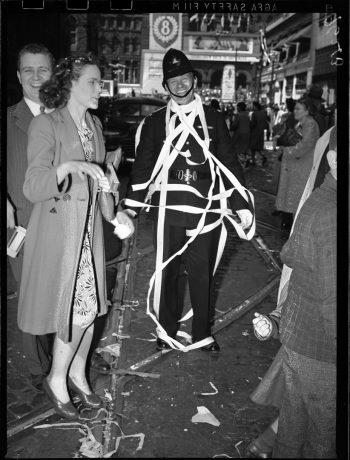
{"x": 162, "y": 345}
{"x": 212, "y": 347}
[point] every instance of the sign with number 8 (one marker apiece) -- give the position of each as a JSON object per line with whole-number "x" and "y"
{"x": 165, "y": 30}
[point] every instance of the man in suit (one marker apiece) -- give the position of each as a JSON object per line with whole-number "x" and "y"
{"x": 184, "y": 151}
{"x": 34, "y": 66}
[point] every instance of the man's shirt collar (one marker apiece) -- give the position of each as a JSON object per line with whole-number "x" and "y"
{"x": 35, "y": 107}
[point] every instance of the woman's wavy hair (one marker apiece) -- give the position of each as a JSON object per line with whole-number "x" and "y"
{"x": 55, "y": 92}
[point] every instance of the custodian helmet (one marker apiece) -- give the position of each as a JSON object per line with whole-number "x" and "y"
{"x": 175, "y": 63}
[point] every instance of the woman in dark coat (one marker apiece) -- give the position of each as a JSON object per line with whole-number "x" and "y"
{"x": 297, "y": 162}
{"x": 258, "y": 124}
{"x": 63, "y": 285}
{"x": 241, "y": 129}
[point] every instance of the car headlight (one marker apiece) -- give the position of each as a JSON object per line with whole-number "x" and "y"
{"x": 112, "y": 133}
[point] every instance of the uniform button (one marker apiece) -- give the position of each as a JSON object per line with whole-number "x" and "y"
{"x": 66, "y": 197}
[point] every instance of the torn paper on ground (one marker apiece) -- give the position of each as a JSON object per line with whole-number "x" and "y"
{"x": 213, "y": 392}
{"x": 205, "y": 416}
{"x": 113, "y": 349}
{"x": 131, "y": 372}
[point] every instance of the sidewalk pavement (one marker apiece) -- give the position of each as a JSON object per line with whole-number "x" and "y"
{"x": 134, "y": 330}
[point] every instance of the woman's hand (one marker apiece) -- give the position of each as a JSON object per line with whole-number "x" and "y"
{"x": 263, "y": 327}
{"x": 81, "y": 168}
{"x": 103, "y": 184}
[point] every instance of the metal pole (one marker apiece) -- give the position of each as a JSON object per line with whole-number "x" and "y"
{"x": 271, "y": 81}
{"x": 259, "y": 80}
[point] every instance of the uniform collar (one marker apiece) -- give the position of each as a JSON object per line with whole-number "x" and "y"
{"x": 186, "y": 108}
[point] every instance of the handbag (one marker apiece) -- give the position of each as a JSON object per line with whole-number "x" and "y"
{"x": 289, "y": 137}
{"x": 109, "y": 200}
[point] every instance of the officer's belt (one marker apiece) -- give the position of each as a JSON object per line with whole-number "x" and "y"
{"x": 188, "y": 175}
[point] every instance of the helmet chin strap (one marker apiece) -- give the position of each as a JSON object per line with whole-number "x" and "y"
{"x": 184, "y": 95}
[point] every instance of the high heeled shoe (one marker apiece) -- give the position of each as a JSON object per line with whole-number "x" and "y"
{"x": 88, "y": 400}
{"x": 66, "y": 410}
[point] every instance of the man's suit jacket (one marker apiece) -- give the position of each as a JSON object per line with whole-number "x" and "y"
{"x": 151, "y": 141}
{"x": 19, "y": 117}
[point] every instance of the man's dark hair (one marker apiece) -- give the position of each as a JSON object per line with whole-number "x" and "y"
{"x": 35, "y": 48}
{"x": 290, "y": 104}
{"x": 257, "y": 105}
{"x": 241, "y": 106}
{"x": 215, "y": 104}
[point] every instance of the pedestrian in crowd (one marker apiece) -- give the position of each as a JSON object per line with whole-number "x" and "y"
{"x": 287, "y": 121}
{"x": 270, "y": 121}
{"x": 271, "y": 388}
{"x": 282, "y": 139}
{"x": 34, "y": 66}
{"x": 176, "y": 156}
{"x": 258, "y": 125}
{"x": 307, "y": 418}
{"x": 241, "y": 132}
{"x": 296, "y": 163}
{"x": 316, "y": 101}
{"x": 215, "y": 104}
{"x": 278, "y": 113}
{"x": 63, "y": 285}
{"x": 230, "y": 117}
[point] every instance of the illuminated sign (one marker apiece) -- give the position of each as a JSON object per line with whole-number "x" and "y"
{"x": 220, "y": 43}
{"x": 228, "y": 83}
{"x": 108, "y": 88}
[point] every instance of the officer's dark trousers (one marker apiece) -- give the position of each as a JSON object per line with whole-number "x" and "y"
{"x": 199, "y": 260}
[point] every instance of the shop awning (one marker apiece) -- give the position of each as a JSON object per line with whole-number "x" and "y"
{"x": 305, "y": 33}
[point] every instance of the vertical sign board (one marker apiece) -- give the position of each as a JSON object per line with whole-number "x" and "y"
{"x": 228, "y": 83}
{"x": 152, "y": 72}
{"x": 165, "y": 32}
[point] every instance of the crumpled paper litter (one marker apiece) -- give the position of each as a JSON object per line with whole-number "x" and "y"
{"x": 205, "y": 416}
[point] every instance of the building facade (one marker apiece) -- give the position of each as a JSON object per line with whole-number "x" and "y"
{"x": 225, "y": 49}
{"x": 300, "y": 47}
{"x": 131, "y": 49}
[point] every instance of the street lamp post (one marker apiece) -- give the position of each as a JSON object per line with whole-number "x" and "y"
{"x": 260, "y": 68}
{"x": 272, "y": 88}
{"x": 273, "y": 57}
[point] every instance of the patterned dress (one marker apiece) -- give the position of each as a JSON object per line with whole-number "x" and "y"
{"x": 85, "y": 299}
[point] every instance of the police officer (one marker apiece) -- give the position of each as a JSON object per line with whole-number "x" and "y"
{"x": 181, "y": 150}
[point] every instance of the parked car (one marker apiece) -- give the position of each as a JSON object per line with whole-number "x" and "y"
{"x": 121, "y": 118}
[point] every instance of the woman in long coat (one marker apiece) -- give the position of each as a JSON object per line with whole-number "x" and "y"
{"x": 258, "y": 124}
{"x": 297, "y": 160}
{"x": 63, "y": 285}
{"x": 241, "y": 128}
